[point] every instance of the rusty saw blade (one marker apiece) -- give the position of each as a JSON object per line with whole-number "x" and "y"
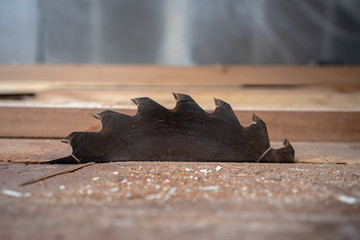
{"x": 185, "y": 133}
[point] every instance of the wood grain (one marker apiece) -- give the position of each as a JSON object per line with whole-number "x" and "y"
{"x": 40, "y": 77}
{"x": 294, "y": 98}
{"x": 29, "y": 122}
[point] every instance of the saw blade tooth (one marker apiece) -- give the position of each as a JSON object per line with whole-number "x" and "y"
{"x": 185, "y": 103}
{"x": 257, "y": 120}
{"x": 142, "y": 101}
{"x": 109, "y": 117}
{"x": 220, "y": 103}
{"x": 182, "y": 97}
{"x": 287, "y": 147}
{"x": 136, "y": 101}
{"x": 69, "y": 137}
{"x": 147, "y": 105}
{"x": 105, "y": 113}
{"x": 72, "y": 136}
{"x": 224, "y": 111}
{"x": 146, "y": 101}
{"x": 286, "y": 142}
{"x": 285, "y": 154}
{"x": 65, "y": 141}
{"x": 97, "y": 116}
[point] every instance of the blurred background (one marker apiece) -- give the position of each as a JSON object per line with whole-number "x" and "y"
{"x": 180, "y": 32}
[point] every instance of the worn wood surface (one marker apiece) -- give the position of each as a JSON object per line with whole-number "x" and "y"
{"x": 154, "y": 200}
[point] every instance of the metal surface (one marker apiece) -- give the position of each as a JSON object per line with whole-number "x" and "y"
{"x": 185, "y": 133}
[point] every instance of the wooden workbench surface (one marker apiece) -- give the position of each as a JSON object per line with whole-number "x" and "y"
{"x": 297, "y": 102}
{"x": 316, "y": 108}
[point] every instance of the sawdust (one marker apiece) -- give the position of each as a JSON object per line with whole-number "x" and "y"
{"x": 161, "y": 200}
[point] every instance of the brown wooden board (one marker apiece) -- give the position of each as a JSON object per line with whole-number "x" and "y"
{"x": 295, "y": 98}
{"x": 40, "y": 77}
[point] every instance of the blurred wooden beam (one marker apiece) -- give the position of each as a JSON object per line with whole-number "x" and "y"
{"x": 42, "y": 77}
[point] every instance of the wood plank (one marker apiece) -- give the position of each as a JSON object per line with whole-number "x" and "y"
{"x": 157, "y": 200}
{"x": 181, "y": 200}
{"x": 44, "y": 122}
{"x": 40, "y": 77}
{"x": 306, "y": 152}
{"x": 299, "y": 98}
